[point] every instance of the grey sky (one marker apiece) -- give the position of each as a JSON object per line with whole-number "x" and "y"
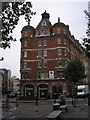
{"x": 70, "y": 13}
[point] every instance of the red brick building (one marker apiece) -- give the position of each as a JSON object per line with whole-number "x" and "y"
{"x": 45, "y": 51}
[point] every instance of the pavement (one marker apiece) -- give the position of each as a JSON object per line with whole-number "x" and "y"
{"x": 29, "y": 110}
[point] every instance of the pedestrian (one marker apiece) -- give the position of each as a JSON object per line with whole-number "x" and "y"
{"x": 36, "y": 101}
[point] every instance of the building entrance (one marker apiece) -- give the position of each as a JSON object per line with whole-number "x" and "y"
{"x": 42, "y": 91}
{"x": 29, "y": 91}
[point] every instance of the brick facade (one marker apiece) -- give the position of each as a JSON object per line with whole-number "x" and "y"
{"x": 45, "y": 51}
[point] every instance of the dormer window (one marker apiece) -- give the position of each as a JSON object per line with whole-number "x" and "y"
{"x": 44, "y": 23}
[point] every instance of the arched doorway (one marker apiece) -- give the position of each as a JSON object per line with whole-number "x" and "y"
{"x": 57, "y": 91}
{"x": 29, "y": 91}
{"x": 42, "y": 91}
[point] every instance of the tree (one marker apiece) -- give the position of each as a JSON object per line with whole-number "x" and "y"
{"x": 74, "y": 71}
{"x": 11, "y": 12}
{"x": 86, "y": 40}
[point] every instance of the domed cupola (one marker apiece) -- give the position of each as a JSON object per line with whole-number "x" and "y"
{"x": 58, "y": 27}
{"x": 27, "y": 31}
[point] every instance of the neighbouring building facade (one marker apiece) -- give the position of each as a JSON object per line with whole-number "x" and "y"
{"x": 45, "y": 51}
{"x": 4, "y": 73}
{"x": 16, "y": 83}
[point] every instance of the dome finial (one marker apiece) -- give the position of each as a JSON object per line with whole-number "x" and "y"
{"x": 59, "y": 19}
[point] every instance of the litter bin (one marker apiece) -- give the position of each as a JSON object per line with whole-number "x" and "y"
{"x": 56, "y": 106}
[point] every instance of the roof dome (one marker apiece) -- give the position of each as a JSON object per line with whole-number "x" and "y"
{"x": 58, "y": 24}
{"x": 28, "y": 27}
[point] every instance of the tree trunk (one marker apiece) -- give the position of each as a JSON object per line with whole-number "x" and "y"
{"x": 74, "y": 101}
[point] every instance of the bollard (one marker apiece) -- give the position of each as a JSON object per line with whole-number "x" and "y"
{"x": 36, "y": 101}
{"x": 7, "y": 103}
{"x": 17, "y": 102}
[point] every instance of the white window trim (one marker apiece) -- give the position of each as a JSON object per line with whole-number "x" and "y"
{"x": 40, "y": 55}
{"x": 45, "y": 53}
{"x": 39, "y": 64}
{"x": 59, "y": 52}
{"x": 44, "y": 42}
{"x": 25, "y": 53}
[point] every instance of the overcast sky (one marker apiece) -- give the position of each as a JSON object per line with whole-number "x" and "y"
{"x": 70, "y": 13}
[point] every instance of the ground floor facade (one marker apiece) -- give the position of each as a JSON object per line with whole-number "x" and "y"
{"x": 45, "y": 89}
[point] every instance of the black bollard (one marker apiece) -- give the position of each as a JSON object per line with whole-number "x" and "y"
{"x": 17, "y": 102}
{"x": 7, "y": 103}
{"x": 36, "y": 101}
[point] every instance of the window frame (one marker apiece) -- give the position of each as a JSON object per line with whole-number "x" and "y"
{"x": 60, "y": 61}
{"x": 59, "y": 40}
{"x": 25, "y": 54}
{"x": 39, "y": 43}
{"x": 39, "y": 64}
{"x": 44, "y": 42}
{"x": 26, "y": 33}
{"x": 39, "y": 53}
{"x": 59, "y": 51}
{"x": 65, "y": 52}
{"x": 45, "y": 53}
{"x": 25, "y": 43}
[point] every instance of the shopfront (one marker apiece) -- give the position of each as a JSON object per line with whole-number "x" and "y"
{"x": 42, "y": 91}
{"x": 29, "y": 91}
